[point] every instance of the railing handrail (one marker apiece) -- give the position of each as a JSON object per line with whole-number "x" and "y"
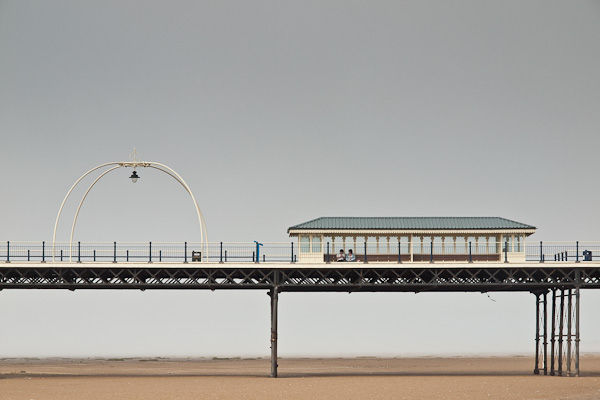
{"x": 370, "y": 242}
{"x": 293, "y": 251}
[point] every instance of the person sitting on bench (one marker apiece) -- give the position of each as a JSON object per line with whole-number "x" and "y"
{"x": 341, "y": 256}
{"x": 350, "y": 257}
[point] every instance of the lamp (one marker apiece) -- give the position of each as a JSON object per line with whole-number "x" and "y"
{"x": 134, "y": 177}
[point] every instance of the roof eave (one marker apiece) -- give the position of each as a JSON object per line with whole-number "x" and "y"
{"x": 360, "y": 232}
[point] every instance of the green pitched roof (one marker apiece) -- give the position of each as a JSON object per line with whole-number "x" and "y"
{"x": 411, "y": 223}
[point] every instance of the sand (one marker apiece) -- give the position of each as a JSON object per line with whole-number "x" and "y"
{"x": 314, "y": 378}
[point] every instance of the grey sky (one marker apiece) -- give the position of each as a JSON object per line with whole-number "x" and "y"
{"x": 436, "y": 108}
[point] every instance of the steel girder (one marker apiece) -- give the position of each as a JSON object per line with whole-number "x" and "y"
{"x": 440, "y": 279}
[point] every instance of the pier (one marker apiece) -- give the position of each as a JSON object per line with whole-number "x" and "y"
{"x": 554, "y": 281}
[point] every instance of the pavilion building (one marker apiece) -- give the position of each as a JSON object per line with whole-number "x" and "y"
{"x": 412, "y": 239}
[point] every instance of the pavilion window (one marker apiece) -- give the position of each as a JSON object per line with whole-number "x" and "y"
{"x": 421, "y": 244}
{"x": 482, "y": 245}
{"x": 518, "y": 244}
{"x": 316, "y": 244}
{"x": 492, "y": 244}
{"x": 449, "y": 244}
{"x": 508, "y": 243}
{"x": 461, "y": 247}
{"x": 372, "y": 244}
{"x": 438, "y": 243}
{"x": 404, "y": 245}
{"x": 304, "y": 243}
{"x": 358, "y": 244}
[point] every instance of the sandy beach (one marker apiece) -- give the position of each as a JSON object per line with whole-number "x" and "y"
{"x": 300, "y": 378}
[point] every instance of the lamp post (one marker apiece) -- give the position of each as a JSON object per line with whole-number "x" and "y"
{"x": 134, "y": 162}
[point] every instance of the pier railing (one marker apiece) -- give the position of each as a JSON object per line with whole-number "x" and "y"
{"x": 290, "y": 252}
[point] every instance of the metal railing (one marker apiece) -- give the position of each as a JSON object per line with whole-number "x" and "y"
{"x": 290, "y": 252}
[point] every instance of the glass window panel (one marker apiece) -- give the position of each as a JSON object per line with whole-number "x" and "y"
{"x": 316, "y": 244}
{"x": 482, "y": 245}
{"x": 304, "y": 244}
{"x": 421, "y": 245}
{"x": 518, "y": 245}
{"x": 437, "y": 245}
{"x": 493, "y": 245}
{"x": 404, "y": 242}
{"x": 461, "y": 246}
{"x": 508, "y": 243}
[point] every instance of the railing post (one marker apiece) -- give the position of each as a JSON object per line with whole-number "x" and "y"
{"x": 399, "y": 253}
{"x": 292, "y": 260}
{"x": 541, "y": 252}
{"x": 577, "y": 251}
{"x": 43, "y": 251}
{"x": 366, "y": 262}
{"x": 28, "y": 255}
{"x": 327, "y": 252}
{"x": 7, "y": 251}
{"x": 185, "y": 252}
{"x": 470, "y": 253}
{"x": 257, "y": 260}
{"x": 431, "y": 252}
{"x": 61, "y": 255}
{"x": 221, "y": 254}
{"x": 78, "y": 252}
{"x": 127, "y": 259}
{"x": 225, "y": 255}
{"x": 115, "y": 252}
{"x": 160, "y": 256}
{"x": 506, "y": 251}
{"x": 150, "y": 253}
{"x": 94, "y": 254}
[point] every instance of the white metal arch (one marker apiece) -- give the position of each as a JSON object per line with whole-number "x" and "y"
{"x": 161, "y": 167}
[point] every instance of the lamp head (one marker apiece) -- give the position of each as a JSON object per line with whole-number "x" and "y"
{"x": 134, "y": 177}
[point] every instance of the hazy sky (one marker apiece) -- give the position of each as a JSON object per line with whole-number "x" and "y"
{"x": 420, "y": 108}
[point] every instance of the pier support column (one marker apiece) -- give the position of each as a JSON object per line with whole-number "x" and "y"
{"x": 274, "y": 293}
{"x": 577, "y": 332}
{"x": 565, "y": 332}
{"x": 573, "y": 333}
{"x": 541, "y": 334}
{"x": 545, "y": 333}
{"x": 553, "y": 348}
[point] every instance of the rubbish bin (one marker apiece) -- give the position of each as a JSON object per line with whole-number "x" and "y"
{"x": 196, "y": 256}
{"x": 587, "y": 255}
